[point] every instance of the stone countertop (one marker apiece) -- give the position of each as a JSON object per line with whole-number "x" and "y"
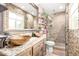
{"x": 16, "y": 50}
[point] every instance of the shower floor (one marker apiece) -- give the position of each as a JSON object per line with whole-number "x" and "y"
{"x": 60, "y": 46}
{"x": 57, "y": 52}
{"x": 59, "y": 49}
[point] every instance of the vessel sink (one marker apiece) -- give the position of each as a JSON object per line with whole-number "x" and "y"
{"x": 18, "y": 40}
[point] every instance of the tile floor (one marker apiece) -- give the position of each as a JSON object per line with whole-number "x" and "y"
{"x": 59, "y": 49}
{"x": 59, "y": 52}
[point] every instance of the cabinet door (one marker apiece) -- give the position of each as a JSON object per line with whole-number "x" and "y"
{"x": 26, "y": 52}
{"x": 38, "y": 50}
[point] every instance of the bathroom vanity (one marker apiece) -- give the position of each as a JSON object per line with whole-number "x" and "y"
{"x": 26, "y": 22}
{"x": 34, "y": 47}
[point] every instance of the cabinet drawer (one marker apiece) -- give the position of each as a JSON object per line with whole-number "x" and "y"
{"x": 36, "y": 51}
{"x": 37, "y": 44}
{"x": 26, "y": 52}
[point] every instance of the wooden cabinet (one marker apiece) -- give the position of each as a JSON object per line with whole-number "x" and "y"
{"x": 27, "y": 52}
{"x": 36, "y": 50}
{"x": 39, "y": 49}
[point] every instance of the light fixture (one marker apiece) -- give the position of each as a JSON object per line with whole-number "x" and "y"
{"x": 60, "y": 7}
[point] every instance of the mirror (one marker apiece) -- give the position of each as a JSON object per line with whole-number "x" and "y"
{"x": 31, "y": 14}
{"x": 29, "y": 22}
{"x": 21, "y": 16}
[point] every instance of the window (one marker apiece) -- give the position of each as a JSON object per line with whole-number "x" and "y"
{"x": 16, "y": 21}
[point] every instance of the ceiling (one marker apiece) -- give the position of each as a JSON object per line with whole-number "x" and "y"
{"x": 52, "y": 7}
{"x": 49, "y": 8}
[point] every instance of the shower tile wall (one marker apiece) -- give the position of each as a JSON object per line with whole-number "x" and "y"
{"x": 57, "y": 31}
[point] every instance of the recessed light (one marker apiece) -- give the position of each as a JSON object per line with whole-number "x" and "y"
{"x": 60, "y": 7}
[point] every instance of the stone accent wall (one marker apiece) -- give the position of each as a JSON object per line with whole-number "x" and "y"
{"x": 73, "y": 44}
{"x": 72, "y": 38}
